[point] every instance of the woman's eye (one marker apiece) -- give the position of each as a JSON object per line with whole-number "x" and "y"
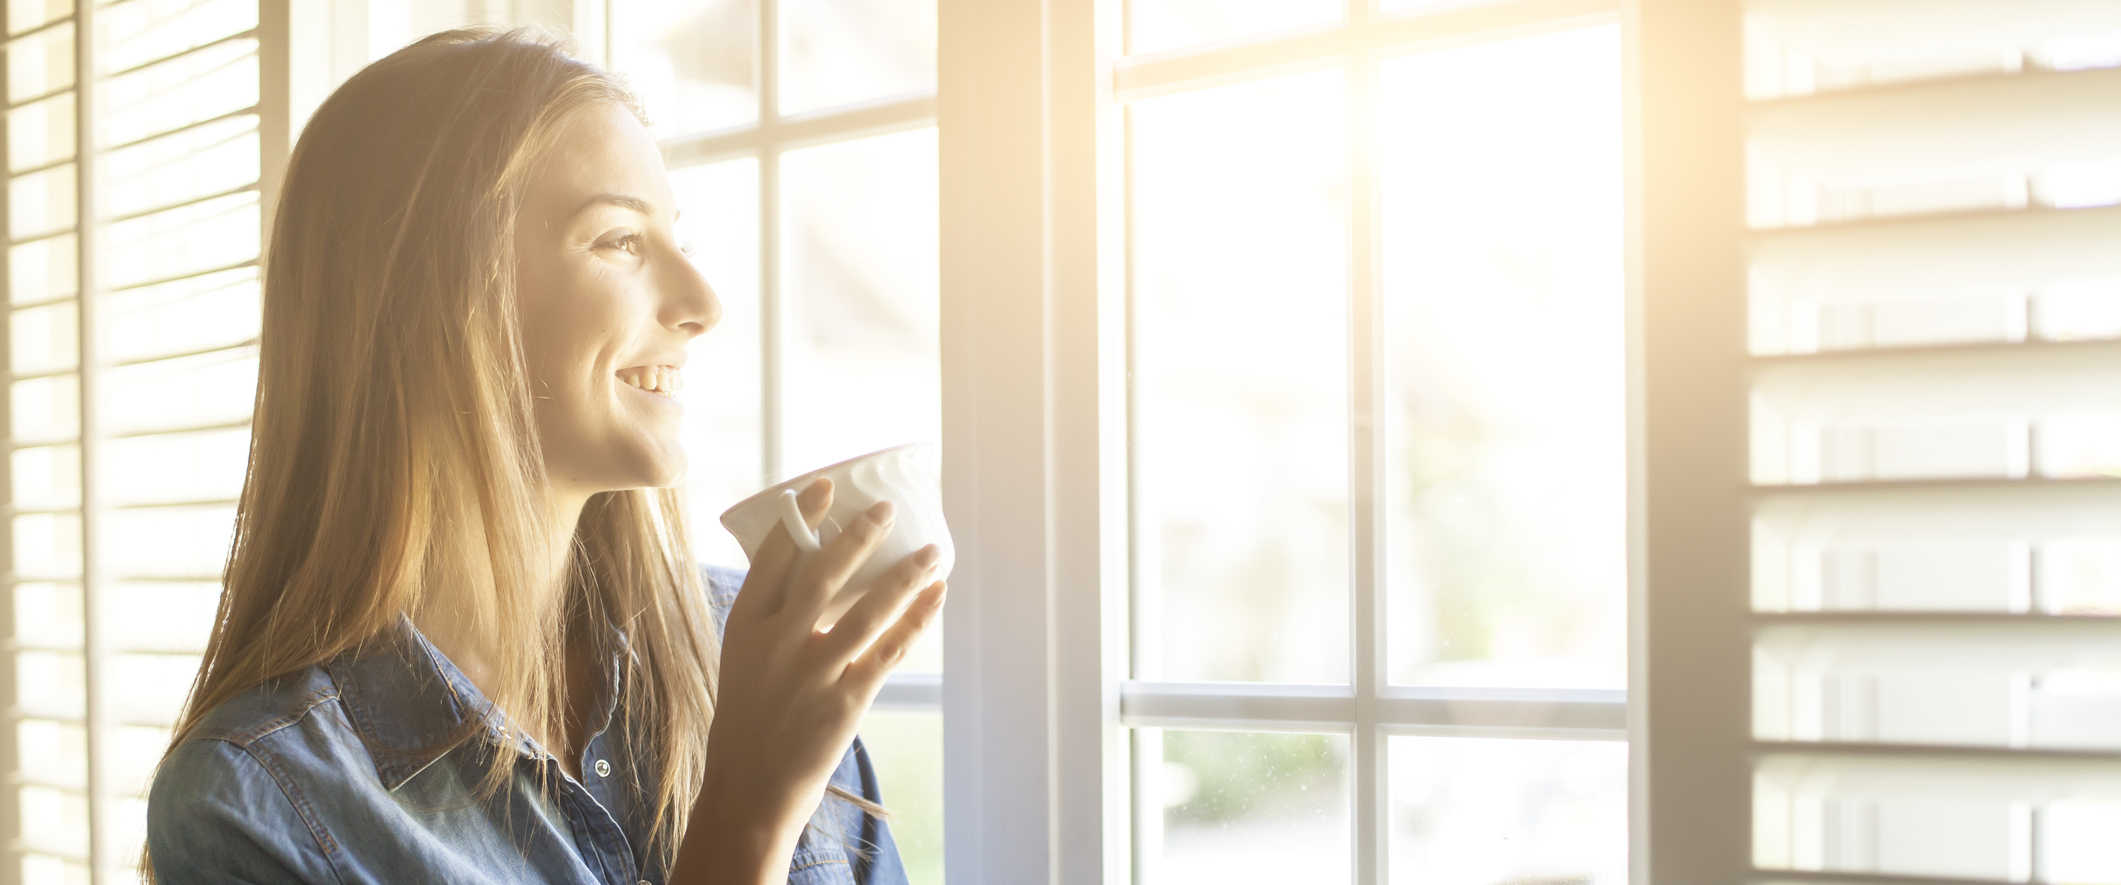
{"x": 629, "y": 243}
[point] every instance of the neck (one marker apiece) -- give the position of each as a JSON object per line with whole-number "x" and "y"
{"x": 469, "y": 640}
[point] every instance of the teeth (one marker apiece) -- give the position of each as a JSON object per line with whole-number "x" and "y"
{"x": 660, "y": 380}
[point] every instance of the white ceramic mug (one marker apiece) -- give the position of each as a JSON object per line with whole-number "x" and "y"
{"x": 907, "y": 476}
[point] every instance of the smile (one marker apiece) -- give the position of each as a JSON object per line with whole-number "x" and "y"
{"x": 659, "y": 380}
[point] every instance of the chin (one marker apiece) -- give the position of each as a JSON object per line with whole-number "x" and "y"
{"x": 665, "y": 469}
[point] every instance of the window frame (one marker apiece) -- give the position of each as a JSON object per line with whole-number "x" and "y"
{"x": 765, "y": 140}
{"x": 1039, "y": 704}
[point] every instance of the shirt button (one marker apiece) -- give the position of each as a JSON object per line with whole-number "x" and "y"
{"x": 603, "y": 768}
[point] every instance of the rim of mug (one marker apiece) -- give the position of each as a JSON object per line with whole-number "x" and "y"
{"x": 799, "y": 481}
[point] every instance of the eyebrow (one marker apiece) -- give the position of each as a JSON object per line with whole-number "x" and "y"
{"x": 620, "y": 200}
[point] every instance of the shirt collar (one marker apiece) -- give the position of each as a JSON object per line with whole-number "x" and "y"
{"x": 410, "y": 705}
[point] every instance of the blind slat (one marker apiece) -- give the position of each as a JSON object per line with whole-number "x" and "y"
{"x": 1952, "y": 382}
{"x": 1979, "y": 510}
{"x": 1905, "y": 772}
{"x": 2010, "y": 122}
{"x": 1890, "y": 29}
{"x": 1932, "y": 645}
{"x": 1952, "y": 256}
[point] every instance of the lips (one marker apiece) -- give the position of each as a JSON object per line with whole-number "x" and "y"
{"x": 659, "y": 380}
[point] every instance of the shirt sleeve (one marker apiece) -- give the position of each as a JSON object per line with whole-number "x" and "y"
{"x": 722, "y": 584}
{"x": 877, "y": 861}
{"x": 215, "y": 814}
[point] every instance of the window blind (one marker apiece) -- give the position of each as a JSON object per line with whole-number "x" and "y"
{"x": 134, "y": 155}
{"x": 1934, "y": 195}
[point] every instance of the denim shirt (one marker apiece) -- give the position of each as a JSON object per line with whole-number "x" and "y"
{"x": 346, "y": 773}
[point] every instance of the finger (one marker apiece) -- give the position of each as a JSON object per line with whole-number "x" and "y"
{"x": 861, "y": 625}
{"x": 883, "y": 656}
{"x": 764, "y": 593}
{"x": 827, "y": 571}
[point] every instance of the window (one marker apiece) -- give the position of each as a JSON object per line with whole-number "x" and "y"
{"x": 801, "y": 139}
{"x": 136, "y": 139}
{"x": 129, "y": 419}
{"x": 1348, "y": 408}
{"x": 1933, "y": 547}
{"x": 1878, "y": 521}
{"x": 1377, "y": 349}
{"x": 1255, "y": 359}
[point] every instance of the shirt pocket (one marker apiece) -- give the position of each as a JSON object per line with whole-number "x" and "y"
{"x": 820, "y": 866}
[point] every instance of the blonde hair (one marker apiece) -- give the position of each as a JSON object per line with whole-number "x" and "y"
{"x": 394, "y": 452}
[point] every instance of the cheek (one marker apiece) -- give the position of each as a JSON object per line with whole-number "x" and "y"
{"x": 568, "y": 331}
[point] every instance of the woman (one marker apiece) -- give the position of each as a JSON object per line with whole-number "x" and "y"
{"x": 462, "y": 639}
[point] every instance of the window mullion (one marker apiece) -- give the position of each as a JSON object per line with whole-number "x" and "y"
{"x": 102, "y": 798}
{"x": 771, "y": 339}
{"x": 1366, "y": 471}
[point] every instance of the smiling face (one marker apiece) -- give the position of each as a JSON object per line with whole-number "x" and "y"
{"x": 607, "y": 301}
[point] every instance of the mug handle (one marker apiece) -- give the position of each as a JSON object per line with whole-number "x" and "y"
{"x": 792, "y": 520}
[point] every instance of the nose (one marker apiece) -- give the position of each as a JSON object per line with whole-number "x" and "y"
{"x": 688, "y": 304}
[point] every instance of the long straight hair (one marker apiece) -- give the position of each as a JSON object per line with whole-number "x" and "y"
{"x": 394, "y": 463}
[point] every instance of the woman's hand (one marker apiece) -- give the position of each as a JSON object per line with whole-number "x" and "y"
{"x": 791, "y": 694}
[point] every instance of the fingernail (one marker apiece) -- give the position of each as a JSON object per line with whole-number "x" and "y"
{"x": 929, "y": 556}
{"x": 881, "y": 512}
{"x": 939, "y": 597}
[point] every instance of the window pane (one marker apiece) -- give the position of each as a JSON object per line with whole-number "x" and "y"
{"x": 720, "y": 220}
{"x": 41, "y": 63}
{"x": 47, "y": 477}
{"x": 208, "y": 235}
{"x": 189, "y": 164}
{"x": 1477, "y": 811}
{"x": 169, "y": 468}
{"x": 41, "y": 202}
{"x": 860, "y": 290}
{"x": 183, "y": 392}
{"x": 907, "y": 750}
{"x": 1506, "y": 395}
{"x": 43, "y": 270}
{"x": 1156, "y": 25}
{"x": 181, "y": 316}
{"x": 43, "y": 339}
{"x": 47, "y": 408}
{"x": 60, "y": 747}
{"x": 1240, "y": 382}
{"x": 690, "y": 60}
{"x": 130, "y": 35}
{"x": 50, "y": 684}
{"x": 48, "y": 545}
{"x": 836, "y": 52}
{"x": 219, "y": 79}
{"x": 1241, "y": 807}
{"x": 185, "y": 543}
{"x": 161, "y": 616}
{"x": 48, "y": 615}
{"x": 41, "y": 133}
{"x": 55, "y": 821}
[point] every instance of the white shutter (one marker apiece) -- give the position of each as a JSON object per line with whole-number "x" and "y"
{"x": 1935, "y": 283}
{"x": 132, "y": 361}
